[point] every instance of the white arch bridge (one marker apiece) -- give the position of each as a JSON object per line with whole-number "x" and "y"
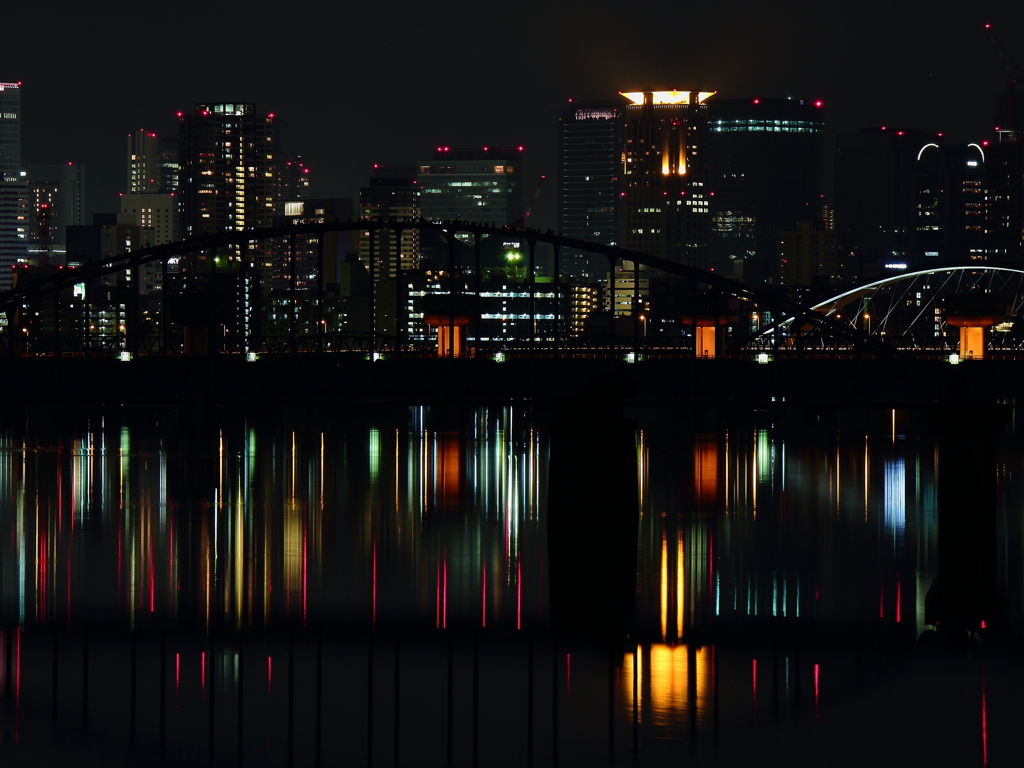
{"x": 217, "y": 281}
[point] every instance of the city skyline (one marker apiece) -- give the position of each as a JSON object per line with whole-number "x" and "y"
{"x": 924, "y": 70}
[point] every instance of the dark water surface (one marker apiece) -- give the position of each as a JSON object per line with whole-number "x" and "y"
{"x": 364, "y": 584}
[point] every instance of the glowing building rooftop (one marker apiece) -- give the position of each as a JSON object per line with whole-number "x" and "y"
{"x": 668, "y": 97}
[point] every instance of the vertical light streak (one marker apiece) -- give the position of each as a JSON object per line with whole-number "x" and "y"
{"x": 483, "y": 594}
{"x": 664, "y": 584}
{"x": 680, "y": 586}
{"x": 984, "y": 725}
{"x": 202, "y": 669}
{"x": 754, "y": 685}
{"x": 897, "y": 598}
{"x": 177, "y": 672}
{"x": 817, "y": 713}
{"x": 373, "y": 589}
{"x": 270, "y": 674}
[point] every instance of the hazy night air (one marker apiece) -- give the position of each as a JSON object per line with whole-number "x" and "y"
{"x": 358, "y": 87}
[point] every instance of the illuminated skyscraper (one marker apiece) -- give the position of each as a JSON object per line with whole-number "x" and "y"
{"x": 479, "y": 185}
{"x": 765, "y": 161}
{"x": 392, "y": 193}
{"x": 13, "y": 190}
{"x": 55, "y": 195}
{"x": 590, "y": 138}
{"x": 226, "y": 159}
{"x": 664, "y": 194}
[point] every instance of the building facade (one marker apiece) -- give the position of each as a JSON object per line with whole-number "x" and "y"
{"x": 664, "y": 193}
{"x": 765, "y": 157}
{"x": 14, "y": 222}
{"x": 479, "y": 185}
{"x": 56, "y": 201}
{"x": 392, "y": 193}
{"x": 590, "y": 136}
{"x": 226, "y": 168}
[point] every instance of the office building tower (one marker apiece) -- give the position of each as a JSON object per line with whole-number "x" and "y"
{"x": 14, "y": 221}
{"x": 392, "y": 193}
{"x": 664, "y": 193}
{"x": 226, "y": 167}
{"x": 807, "y": 255}
{"x": 876, "y": 192}
{"x": 950, "y": 208}
{"x": 765, "y": 160}
{"x": 56, "y": 202}
{"x": 590, "y": 136}
{"x": 1004, "y": 205}
{"x": 484, "y": 186}
{"x": 143, "y": 162}
{"x": 292, "y": 179}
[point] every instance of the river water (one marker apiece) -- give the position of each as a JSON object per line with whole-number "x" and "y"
{"x": 366, "y": 584}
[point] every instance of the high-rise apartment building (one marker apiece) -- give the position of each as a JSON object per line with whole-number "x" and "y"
{"x": 479, "y": 185}
{"x": 226, "y": 166}
{"x": 664, "y": 193}
{"x": 590, "y": 136}
{"x": 143, "y": 162}
{"x": 765, "y": 160}
{"x": 876, "y": 191}
{"x": 392, "y": 193}
{"x": 13, "y": 189}
{"x": 56, "y": 201}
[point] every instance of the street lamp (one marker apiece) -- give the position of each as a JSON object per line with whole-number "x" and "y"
{"x": 867, "y": 318}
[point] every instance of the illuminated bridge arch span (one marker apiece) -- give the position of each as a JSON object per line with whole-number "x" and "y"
{"x": 906, "y": 310}
{"x": 243, "y": 239}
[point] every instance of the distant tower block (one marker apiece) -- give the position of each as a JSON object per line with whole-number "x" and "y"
{"x": 450, "y": 314}
{"x": 707, "y": 314}
{"x": 973, "y": 314}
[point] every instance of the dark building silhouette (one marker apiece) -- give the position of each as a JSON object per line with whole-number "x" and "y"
{"x": 1004, "y": 210}
{"x": 950, "y": 189}
{"x": 765, "y": 161}
{"x": 664, "y": 197}
{"x": 590, "y": 136}
{"x": 876, "y": 191}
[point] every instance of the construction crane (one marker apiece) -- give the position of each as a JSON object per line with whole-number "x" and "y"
{"x": 521, "y": 224}
{"x": 1013, "y": 78}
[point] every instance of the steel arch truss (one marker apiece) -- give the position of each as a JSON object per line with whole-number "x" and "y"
{"x": 906, "y": 311}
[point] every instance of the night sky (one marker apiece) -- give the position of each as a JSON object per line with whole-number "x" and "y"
{"x": 364, "y": 83}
